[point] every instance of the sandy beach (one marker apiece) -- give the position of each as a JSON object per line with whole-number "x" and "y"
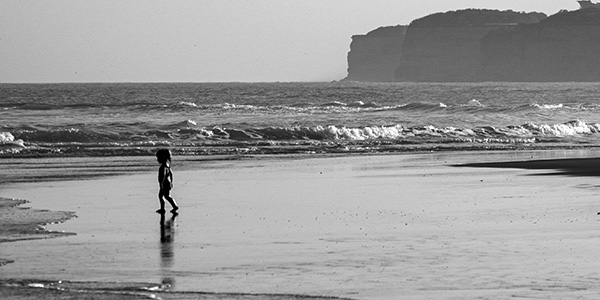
{"x": 455, "y": 225}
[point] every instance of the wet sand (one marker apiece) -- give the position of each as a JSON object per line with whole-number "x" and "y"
{"x": 420, "y": 226}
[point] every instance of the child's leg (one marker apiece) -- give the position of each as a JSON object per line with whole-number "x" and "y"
{"x": 161, "y": 201}
{"x": 171, "y": 200}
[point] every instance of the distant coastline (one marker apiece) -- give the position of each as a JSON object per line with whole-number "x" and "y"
{"x": 476, "y": 45}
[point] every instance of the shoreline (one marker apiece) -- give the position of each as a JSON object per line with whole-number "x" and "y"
{"x": 377, "y": 167}
{"x": 20, "y": 224}
{"x": 30, "y": 289}
{"x": 62, "y": 168}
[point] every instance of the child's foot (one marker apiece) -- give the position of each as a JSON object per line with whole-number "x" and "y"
{"x": 161, "y": 211}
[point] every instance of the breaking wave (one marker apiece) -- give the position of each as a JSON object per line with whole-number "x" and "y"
{"x": 187, "y": 134}
{"x": 78, "y": 119}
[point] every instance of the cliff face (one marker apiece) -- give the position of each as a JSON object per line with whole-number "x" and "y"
{"x": 482, "y": 45}
{"x": 374, "y": 57}
{"x": 563, "y": 47}
{"x": 442, "y": 54}
{"x": 447, "y": 46}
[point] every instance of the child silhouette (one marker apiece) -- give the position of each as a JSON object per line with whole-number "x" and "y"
{"x": 165, "y": 180}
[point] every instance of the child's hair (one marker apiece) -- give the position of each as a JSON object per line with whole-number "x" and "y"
{"x": 163, "y": 155}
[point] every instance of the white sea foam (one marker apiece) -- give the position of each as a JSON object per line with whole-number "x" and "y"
{"x": 475, "y": 103}
{"x": 8, "y": 144}
{"x": 549, "y": 106}
{"x": 366, "y": 133}
{"x": 565, "y": 129}
{"x": 6, "y": 138}
{"x": 189, "y": 104}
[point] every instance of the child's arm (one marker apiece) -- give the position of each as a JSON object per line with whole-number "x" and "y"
{"x": 169, "y": 177}
{"x": 161, "y": 175}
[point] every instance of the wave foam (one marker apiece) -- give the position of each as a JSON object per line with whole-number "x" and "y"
{"x": 6, "y": 138}
{"x": 548, "y": 106}
{"x": 8, "y": 144}
{"x": 565, "y": 129}
{"x": 138, "y": 139}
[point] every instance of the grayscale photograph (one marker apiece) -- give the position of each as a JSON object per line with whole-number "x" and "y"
{"x": 299, "y": 149}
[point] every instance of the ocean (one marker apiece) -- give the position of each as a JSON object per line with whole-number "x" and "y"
{"x": 122, "y": 119}
{"x": 420, "y": 224}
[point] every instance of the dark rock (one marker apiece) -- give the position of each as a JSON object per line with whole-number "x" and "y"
{"x": 563, "y": 47}
{"x": 447, "y": 46}
{"x": 374, "y": 57}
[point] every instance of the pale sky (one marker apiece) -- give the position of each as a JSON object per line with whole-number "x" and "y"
{"x": 202, "y": 40}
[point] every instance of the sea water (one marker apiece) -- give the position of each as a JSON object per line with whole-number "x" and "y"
{"x": 381, "y": 244}
{"x": 255, "y": 118}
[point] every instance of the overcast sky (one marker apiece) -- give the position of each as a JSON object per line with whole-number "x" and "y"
{"x": 202, "y": 40}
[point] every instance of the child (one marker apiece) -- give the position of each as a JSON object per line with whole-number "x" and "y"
{"x": 165, "y": 180}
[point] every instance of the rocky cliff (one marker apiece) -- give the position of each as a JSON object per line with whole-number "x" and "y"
{"x": 375, "y": 56}
{"x": 563, "y": 47}
{"x": 447, "y": 46}
{"x": 482, "y": 45}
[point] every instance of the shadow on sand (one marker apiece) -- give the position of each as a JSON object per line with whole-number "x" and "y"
{"x": 565, "y": 167}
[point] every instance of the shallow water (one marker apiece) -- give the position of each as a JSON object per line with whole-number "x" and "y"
{"x": 358, "y": 227}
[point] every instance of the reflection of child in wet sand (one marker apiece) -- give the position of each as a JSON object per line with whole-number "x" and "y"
{"x": 167, "y": 255}
{"x": 165, "y": 180}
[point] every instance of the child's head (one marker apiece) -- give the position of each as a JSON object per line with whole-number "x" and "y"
{"x": 163, "y": 155}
